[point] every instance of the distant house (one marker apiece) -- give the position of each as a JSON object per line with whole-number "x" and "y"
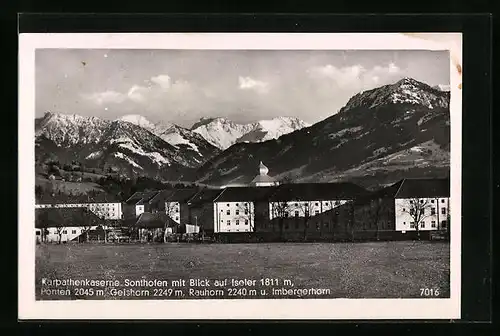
{"x": 241, "y": 209}
{"x": 53, "y": 225}
{"x": 138, "y": 203}
{"x": 153, "y": 226}
{"x": 99, "y": 205}
{"x": 310, "y": 199}
{"x": 202, "y": 209}
{"x": 422, "y": 202}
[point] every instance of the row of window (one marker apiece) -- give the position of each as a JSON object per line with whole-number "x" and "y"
{"x": 237, "y": 212}
{"x": 422, "y": 225}
{"x": 55, "y": 232}
{"x": 422, "y": 211}
{"x": 237, "y": 221}
{"x": 422, "y": 201}
{"x": 297, "y": 214}
{"x": 237, "y": 204}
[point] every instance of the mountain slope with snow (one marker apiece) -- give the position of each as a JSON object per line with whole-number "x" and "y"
{"x": 223, "y": 133}
{"x": 181, "y": 138}
{"x": 372, "y": 126}
{"x": 121, "y": 144}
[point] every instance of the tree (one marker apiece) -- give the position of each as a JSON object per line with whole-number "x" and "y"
{"x": 417, "y": 209}
{"x": 172, "y": 210}
{"x": 43, "y": 223}
{"x": 246, "y": 212}
{"x": 280, "y": 211}
{"x": 305, "y": 209}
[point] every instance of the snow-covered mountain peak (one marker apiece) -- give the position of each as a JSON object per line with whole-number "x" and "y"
{"x": 404, "y": 91}
{"x": 223, "y": 133}
{"x": 138, "y": 120}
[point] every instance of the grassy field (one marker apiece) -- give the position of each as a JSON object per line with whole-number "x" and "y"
{"x": 343, "y": 270}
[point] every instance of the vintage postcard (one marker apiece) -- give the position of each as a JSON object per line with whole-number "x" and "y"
{"x": 240, "y": 176}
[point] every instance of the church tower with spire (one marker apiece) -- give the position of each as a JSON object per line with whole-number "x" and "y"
{"x": 263, "y": 180}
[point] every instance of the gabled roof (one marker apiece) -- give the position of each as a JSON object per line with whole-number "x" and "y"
{"x": 97, "y": 197}
{"x": 162, "y": 195}
{"x": 318, "y": 191}
{"x": 205, "y": 196}
{"x": 136, "y": 197}
{"x": 423, "y": 187}
{"x": 146, "y": 197}
{"x": 231, "y": 194}
{"x": 154, "y": 220}
{"x": 61, "y": 217}
{"x": 183, "y": 195}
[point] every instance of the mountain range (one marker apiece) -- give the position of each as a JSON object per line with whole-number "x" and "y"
{"x": 380, "y": 135}
{"x": 134, "y": 145}
{"x": 223, "y": 133}
{"x": 397, "y": 130}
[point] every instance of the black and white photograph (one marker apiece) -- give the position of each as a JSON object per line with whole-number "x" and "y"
{"x": 222, "y": 175}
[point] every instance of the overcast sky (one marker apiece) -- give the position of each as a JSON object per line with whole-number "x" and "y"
{"x": 244, "y": 86}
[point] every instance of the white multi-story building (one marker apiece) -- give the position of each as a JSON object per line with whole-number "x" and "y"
{"x": 422, "y": 202}
{"x": 103, "y": 210}
{"x": 311, "y": 199}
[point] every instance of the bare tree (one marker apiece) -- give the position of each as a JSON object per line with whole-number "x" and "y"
{"x": 280, "y": 210}
{"x": 418, "y": 209}
{"x": 245, "y": 211}
{"x": 304, "y": 210}
{"x": 172, "y": 210}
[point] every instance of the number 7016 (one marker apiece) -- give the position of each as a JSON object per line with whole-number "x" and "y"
{"x": 429, "y": 292}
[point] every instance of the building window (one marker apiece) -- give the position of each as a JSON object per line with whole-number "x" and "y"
{"x": 228, "y": 222}
{"x": 442, "y": 201}
{"x": 38, "y": 233}
{"x": 246, "y": 211}
{"x": 316, "y": 212}
{"x": 237, "y": 222}
{"x": 237, "y": 212}
{"x": 337, "y": 202}
{"x": 246, "y": 221}
{"x": 412, "y": 211}
{"x": 411, "y": 201}
{"x": 421, "y": 201}
{"x": 443, "y": 224}
{"x": 316, "y": 203}
{"x": 433, "y": 224}
{"x": 422, "y": 211}
{"x": 432, "y": 201}
{"x": 296, "y": 214}
{"x": 404, "y": 223}
{"x": 296, "y": 204}
{"x": 176, "y": 218}
{"x": 228, "y": 212}
{"x": 412, "y": 224}
{"x": 177, "y": 210}
{"x": 404, "y": 209}
{"x": 433, "y": 211}
{"x": 222, "y": 221}
{"x": 221, "y": 210}
{"x": 73, "y": 231}
{"x": 286, "y": 214}
{"x": 443, "y": 211}
{"x": 422, "y": 225}
{"x": 65, "y": 231}
{"x": 227, "y": 204}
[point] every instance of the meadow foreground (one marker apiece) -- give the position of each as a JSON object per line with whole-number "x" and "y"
{"x": 341, "y": 270}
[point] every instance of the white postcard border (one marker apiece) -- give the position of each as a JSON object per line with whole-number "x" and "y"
{"x": 339, "y": 309}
